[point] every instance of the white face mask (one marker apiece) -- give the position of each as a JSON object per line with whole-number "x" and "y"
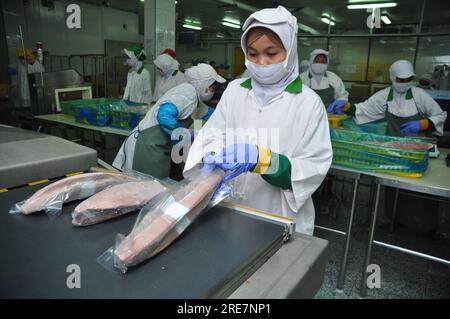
{"x": 206, "y": 95}
{"x": 267, "y": 74}
{"x": 318, "y": 68}
{"x": 402, "y": 87}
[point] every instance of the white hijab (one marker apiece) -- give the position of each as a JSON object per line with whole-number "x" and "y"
{"x": 166, "y": 64}
{"x": 284, "y": 24}
{"x": 312, "y": 56}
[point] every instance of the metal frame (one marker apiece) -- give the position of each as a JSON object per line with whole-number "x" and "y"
{"x": 356, "y": 176}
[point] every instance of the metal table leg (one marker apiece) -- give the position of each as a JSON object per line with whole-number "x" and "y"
{"x": 363, "y": 291}
{"x": 394, "y": 211}
{"x": 341, "y": 278}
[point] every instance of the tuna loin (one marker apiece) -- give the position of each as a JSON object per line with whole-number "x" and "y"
{"x": 115, "y": 201}
{"x": 71, "y": 188}
{"x": 164, "y": 223}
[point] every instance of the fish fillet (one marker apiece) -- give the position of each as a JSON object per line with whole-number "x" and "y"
{"x": 403, "y": 145}
{"x": 115, "y": 201}
{"x": 160, "y": 227}
{"x": 71, "y": 188}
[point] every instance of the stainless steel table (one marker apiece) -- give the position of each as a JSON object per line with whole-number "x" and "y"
{"x": 435, "y": 181}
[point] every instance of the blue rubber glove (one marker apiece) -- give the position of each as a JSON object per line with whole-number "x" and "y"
{"x": 336, "y": 106}
{"x": 209, "y": 113}
{"x": 411, "y": 127}
{"x": 237, "y": 158}
{"x": 168, "y": 118}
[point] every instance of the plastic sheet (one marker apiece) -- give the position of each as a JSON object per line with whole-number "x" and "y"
{"x": 165, "y": 218}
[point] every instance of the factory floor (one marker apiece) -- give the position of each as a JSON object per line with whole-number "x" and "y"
{"x": 403, "y": 276}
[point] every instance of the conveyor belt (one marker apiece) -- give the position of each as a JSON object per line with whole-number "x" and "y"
{"x": 215, "y": 255}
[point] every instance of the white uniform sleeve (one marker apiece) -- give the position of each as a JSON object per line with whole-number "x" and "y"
{"x": 126, "y": 93}
{"x": 431, "y": 110}
{"x": 313, "y": 159}
{"x": 340, "y": 93}
{"x": 374, "y": 108}
{"x": 211, "y": 137}
{"x": 146, "y": 89}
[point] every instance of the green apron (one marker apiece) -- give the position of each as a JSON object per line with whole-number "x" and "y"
{"x": 326, "y": 95}
{"x": 395, "y": 122}
{"x": 153, "y": 149}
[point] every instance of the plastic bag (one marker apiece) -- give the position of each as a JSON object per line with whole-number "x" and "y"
{"x": 52, "y": 197}
{"x": 117, "y": 200}
{"x": 162, "y": 221}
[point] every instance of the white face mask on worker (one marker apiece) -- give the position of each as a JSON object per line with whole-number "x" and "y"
{"x": 206, "y": 95}
{"x": 318, "y": 68}
{"x": 402, "y": 87}
{"x": 267, "y": 74}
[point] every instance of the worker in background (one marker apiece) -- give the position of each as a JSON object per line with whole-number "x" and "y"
{"x": 325, "y": 83}
{"x": 148, "y": 148}
{"x": 408, "y": 110}
{"x": 274, "y": 175}
{"x": 34, "y": 66}
{"x": 426, "y": 82}
{"x": 169, "y": 75}
{"x": 304, "y": 66}
{"x": 138, "y": 88}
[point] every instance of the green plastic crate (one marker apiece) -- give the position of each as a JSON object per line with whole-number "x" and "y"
{"x": 349, "y": 151}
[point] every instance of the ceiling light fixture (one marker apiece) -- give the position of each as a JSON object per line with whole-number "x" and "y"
{"x": 372, "y": 5}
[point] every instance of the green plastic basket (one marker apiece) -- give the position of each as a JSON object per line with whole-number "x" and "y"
{"x": 349, "y": 150}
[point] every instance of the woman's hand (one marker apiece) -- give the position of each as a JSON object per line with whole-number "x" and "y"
{"x": 236, "y": 158}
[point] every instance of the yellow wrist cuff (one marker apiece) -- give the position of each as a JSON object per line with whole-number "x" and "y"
{"x": 263, "y": 160}
{"x": 424, "y": 125}
{"x": 346, "y": 106}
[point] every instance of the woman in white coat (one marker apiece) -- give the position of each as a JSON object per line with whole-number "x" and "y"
{"x": 408, "y": 110}
{"x": 169, "y": 75}
{"x": 138, "y": 88}
{"x": 148, "y": 148}
{"x": 326, "y": 84}
{"x": 276, "y": 174}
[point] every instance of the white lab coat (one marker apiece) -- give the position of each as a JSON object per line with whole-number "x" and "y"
{"x": 304, "y": 138}
{"x": 165, "y": 83}
{"x": 324, "y": 82}
{"x": 24, "y": 89}
{"x": 138, "y": 88}
{"x": 36, "y": 67}
{"x": 374, "y": 108}
{"x": 183, "y": 96}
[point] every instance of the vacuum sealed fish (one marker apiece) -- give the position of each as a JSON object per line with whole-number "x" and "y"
{"x": 52, "y": 197}
{"x": 165, "y": 218}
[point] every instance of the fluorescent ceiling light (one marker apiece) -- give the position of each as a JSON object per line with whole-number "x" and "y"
{"x": 386, "y": 19}
{"x": 372, "y": 5}
{"x": 232, "y": 21}
{"x": 306, "y": 28}
{"x": 231, "y": 25}
{"x": 193, "y": 27}
{"x": 327, "y": 20}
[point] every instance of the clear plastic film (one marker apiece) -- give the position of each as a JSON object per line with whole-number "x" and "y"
{"x": 117, "y": 200}
{"x": 52, "y": 197}
{"x": 160, "y": 222}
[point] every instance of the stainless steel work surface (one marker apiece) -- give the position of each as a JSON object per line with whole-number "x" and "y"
{"x": 27, "y": 156}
